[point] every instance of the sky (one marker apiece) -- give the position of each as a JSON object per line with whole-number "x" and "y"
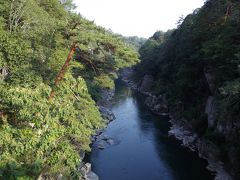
{"x": 136, "y": 17}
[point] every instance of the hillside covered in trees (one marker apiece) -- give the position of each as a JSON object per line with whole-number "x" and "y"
{"x": 135, "y": 41}
{"x": 40, "y": 136}
{"x": 197, "y": 68}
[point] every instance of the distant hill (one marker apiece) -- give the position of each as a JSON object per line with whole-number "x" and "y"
{"x": 135, "y": 41}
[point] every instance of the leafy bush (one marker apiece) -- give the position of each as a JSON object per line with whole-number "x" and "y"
{"x": 39, "y": 136}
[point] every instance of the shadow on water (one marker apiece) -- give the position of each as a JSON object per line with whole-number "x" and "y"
{"x": 144, "y": 150}
{"x": 184, "y": 163}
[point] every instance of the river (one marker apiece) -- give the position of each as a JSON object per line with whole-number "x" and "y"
{"x": 143, "y": 150}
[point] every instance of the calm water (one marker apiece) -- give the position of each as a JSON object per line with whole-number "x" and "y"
{"x": 143, "y": 150}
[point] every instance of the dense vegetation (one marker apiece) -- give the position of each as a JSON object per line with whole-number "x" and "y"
{"x": 135, "y": 41}
{"x": 197, "y": 61}
{"x": 37, "y": 136}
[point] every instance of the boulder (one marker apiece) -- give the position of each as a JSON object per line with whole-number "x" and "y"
{"x": 102, "y": 137}
{"x": 110, "y": 142}
{"x": 182, "y": 133}
{"x": 85, "y": 169}
{"x": 91, "y": 176}
{"x": 103, "y": 141}
{"x": 101, "y": 145}
{"x": 86, "y": 172}
{"x": 106, "y": 113}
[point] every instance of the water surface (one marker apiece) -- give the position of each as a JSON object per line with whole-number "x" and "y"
{"x": 143, "y": 150}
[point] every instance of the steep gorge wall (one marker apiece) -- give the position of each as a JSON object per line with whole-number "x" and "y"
{"x": 196, "y": 67}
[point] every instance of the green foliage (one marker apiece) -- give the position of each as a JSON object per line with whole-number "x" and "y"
{"x": 41, "y": 136}
{"x": 149, "y": 52}
{"x": 197, "y": 60}
{"x": 135, "y": 41}
{"x": 101, "y": 54}
{"x": 38, "y": 137}
{"x": 203, "y": 42}
{"x": 104, "y": 81}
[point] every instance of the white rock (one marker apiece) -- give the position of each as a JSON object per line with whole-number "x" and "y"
{"x": 91, "y": 176}
{"x": 110, "y": 141}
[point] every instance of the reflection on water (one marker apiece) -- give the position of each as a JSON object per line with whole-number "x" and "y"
{"x": 144, "y": 151}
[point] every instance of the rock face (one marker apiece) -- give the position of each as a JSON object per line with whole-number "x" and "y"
{"x": 87, "y": 173}
{"x": 82, "y": 154}
{"x": 209, "y": 151}
{"x": 158, "y": 105}
{"x": 184, "y": 134}
{"x": 85, "y": 169}
{"x": 107, "y": 114}
{"x": 210, "y": 80}
{"x": 106, "y": 97}
{"x": 206, "y": 149}
{"x": 126, "y": 75}
{"x": 210, "y": 110}
{"x": 183, "y": 131}
{"x": 102, "y": 141}
{"x": 147, "y": 83}
{"x": 91, "y": 176}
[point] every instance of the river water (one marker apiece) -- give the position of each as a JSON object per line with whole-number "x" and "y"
{"x": 143, "y": 150}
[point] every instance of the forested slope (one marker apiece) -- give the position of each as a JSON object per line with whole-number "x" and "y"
{"x": 38, "y": 136}
{"x": 135, "y": 41}
{"x": 197, "y": 67}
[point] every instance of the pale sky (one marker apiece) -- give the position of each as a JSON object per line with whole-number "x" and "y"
{"x": 136, "y": 17}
